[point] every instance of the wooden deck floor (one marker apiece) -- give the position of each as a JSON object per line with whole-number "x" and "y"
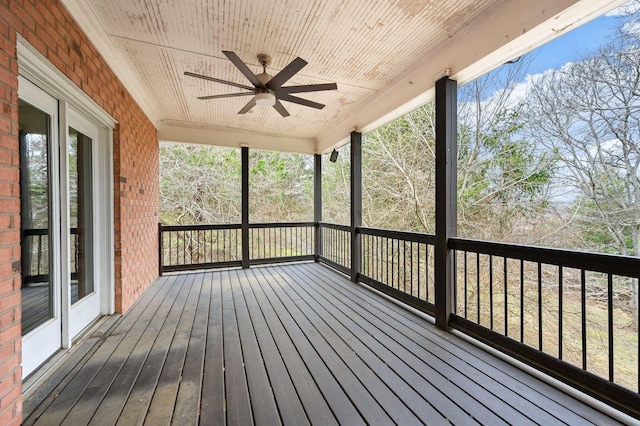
{"x": 292, "y": 344}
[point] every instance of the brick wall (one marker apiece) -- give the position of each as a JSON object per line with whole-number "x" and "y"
{"x": 49, "y": 28}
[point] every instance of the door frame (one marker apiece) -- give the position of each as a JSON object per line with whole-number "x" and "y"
{"x": 34, "y": 67}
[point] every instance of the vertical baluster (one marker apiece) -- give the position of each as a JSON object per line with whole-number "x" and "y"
{"x": 583, "y": 308}
{"x": 478, "y": 284}
{"x": 506, "y": 300}
{"x": 420, "y": 270}
{"x": 560, "y": 311}
{"x": 411, "y": 277}
{"x": 521, "y": 301}
{"x": 404, "y": 265}
{"x": 386, "y": 258}
{"x": 540, "y": 306}
{"x": 610, "y": 321}
{"x": 466, "y": 287}
{"x": 393, "y": 266}
{"x": 426, "y": 271}
{"x": 491, "y": 292}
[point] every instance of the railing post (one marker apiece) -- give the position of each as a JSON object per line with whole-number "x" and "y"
{"x": 317, "y": 204}
{"x": 245, "y": 206}
{"x": 160, "y": 249}
{"x": 446, "y": 198}
{"x": 356, "y": 204}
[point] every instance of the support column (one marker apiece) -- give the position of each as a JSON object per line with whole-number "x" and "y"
{"x": 446, "y": 198}
{"x": 245, "y": 206}
{"x": 317, "y": 204}
{"x": 356, "y": 204}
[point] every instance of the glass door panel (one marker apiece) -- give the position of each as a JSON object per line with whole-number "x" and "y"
{"x": 41, "y": 256}
{"x": 79, "y": 148}
{"x": 37, "y": 286}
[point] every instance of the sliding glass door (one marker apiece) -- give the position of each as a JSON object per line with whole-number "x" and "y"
{"x": 65, "y": 223}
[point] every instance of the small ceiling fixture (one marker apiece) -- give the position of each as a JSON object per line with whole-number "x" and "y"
{"x": 334, "y": 156}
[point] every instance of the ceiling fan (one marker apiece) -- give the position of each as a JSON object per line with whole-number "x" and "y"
{"x": 267, "y": 90}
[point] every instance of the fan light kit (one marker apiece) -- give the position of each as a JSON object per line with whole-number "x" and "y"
{"x": 267, "y": 90}
{"x": 265, "y": 99}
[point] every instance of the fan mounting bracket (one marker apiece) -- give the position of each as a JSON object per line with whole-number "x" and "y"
{"x": 264, "y": 59}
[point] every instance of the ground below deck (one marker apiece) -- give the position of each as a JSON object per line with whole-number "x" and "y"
{"x": 290, "y": 344}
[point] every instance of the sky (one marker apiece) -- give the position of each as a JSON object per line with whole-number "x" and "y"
{"x": 581, "y": 41}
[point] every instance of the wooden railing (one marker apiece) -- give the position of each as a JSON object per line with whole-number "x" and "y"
{"x": 191, "y": 247}
{"x": 335, "y": 246}
{"x": 400, "y": 264}
{"x": 554, "y": 309}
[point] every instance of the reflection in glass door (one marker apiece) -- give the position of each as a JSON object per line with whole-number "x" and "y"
{"x": 41, "y": 255}
{"x": 81, "y": 214}
{"x": 37, "y": 284}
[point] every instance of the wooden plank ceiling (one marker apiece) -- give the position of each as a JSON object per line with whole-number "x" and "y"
{"x": 384, "y": 55}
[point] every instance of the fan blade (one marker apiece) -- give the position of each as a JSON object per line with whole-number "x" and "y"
{"x": 308, "y": 88}
{"x": 281, "y": 109}
{"x": 286, "y": 73}
{"x": 217, "y": 80}
{"x": 300, "y": 101}
{"x": 230, "y": 95}
{"x": 248, "y": 106}
{"x": 244, "y": 69}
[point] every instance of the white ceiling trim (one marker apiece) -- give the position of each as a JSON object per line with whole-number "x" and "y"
{"x": 176, "y": 131}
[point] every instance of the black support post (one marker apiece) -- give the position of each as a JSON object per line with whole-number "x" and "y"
{"x": 317, "y": 204}
{"x": 356, "y": 204}
{"x": 446, "y": 197}
{"x": 245, "y": 206}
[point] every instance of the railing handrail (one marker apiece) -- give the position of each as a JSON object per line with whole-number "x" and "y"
{"x": 281, "y": 225}
{"x": 597, "y": 262}
{"x": 337, "y": 226}
{"x": 418, "y": 237}
{"x": 200, "y": 227}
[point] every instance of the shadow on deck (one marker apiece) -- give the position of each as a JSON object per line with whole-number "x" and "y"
{"x": 290, "y": 344}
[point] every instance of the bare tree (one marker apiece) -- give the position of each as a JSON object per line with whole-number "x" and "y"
{"x": 587, "y": 111}
{"x": 503, "y": 178}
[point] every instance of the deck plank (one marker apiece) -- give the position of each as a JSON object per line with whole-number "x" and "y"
{"x": 372, "y": 353}
{"x": 287, "y": 398}
{"x": 137, "y": 404}
{"x": 213, "y": 392}
{"x": 292, "y": 344}
{"x": 341, "y": 405}
{"x": 357, "y": 392}
{"x": 540, "y": 404}
{"x": 163, "y": 400}
{"x": 263, "y": 403}
{"x": 412, "y": 367}
{"x": 187, "y": 405}
{"x": 340, "y": 354}
{"x": 312, "y": 399}
{"x": 236, "y": 389}
{"x": 111, "y": 386}
{"x": 55, "y": 409}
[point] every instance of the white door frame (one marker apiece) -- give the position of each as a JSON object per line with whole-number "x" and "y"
{"x": 77, "y": 109}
